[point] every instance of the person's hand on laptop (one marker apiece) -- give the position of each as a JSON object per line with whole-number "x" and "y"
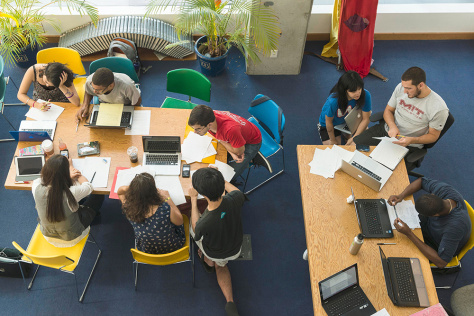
{"x": 402, "y": 227}
{"x": 82, "y": 113}
{"x": 394, "y": 199}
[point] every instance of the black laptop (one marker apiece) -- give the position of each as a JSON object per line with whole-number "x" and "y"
{"x": 342, "y": 295}
{"x": 125, "y": 121}
{"x": 404, "y": 281}
{"x": 372, "y": 215}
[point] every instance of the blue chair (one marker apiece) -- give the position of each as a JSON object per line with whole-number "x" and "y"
{"x": 269, "y": 118}
{"x": 116, "y": 64}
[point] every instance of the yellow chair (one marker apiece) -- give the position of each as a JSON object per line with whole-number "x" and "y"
{"x": 184, "y": 254}
{"x": 456, "y": 261}
{"x": 67, "y": 56}
{"x": 42, "y": 253}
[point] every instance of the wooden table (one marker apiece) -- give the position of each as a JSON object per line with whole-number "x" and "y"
{"x": 114, "y": 142}
{"x": 331, "y": 225}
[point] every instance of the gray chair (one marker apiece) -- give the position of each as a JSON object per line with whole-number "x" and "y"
{"x": 462, "y": 303}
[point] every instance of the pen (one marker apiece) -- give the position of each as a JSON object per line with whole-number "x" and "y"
{"x": 396, "y": 214}
{"x": 77, "y": 126}
{"x": 386, "y": 243}
{"x": 93, "y": 176}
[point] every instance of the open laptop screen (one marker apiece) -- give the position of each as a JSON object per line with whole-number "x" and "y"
{"x": 386, "y": 273}
{"x": 338, "y": 282}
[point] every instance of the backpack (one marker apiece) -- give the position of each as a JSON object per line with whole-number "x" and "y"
{"x": 126, "y": 47}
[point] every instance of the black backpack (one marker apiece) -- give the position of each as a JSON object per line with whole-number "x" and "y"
{"x": 128, "y": 48}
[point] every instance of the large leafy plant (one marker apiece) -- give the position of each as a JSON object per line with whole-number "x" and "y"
{"x": 246, "y": 24}
{"x": 21, "y": 23}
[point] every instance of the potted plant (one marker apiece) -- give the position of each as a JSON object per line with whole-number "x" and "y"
{"x": 21, "y": 27}
{"x": 246, "y": 24}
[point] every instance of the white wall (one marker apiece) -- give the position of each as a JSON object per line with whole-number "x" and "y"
{"x": 399, "y": 18}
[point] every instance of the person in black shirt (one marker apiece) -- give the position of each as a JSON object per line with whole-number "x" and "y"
{"x": 218, "y": 231}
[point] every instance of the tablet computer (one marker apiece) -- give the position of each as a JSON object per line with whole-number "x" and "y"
{"x": 28, "y": 167}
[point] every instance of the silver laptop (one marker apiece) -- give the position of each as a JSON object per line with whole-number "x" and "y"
{"x": 39, "y": 126}
{"x": 125, "y": 122}
{"x": 352, "y": 121}
{"x": 366, "y": 170}
{"x": 404, "y": 281}
{"x": 162, "y": 154}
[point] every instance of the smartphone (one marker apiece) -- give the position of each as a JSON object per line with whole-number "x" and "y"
{"x": 186, "y": 171}
{"x": 65, "y": 153}
{"x": 362, "y": 147}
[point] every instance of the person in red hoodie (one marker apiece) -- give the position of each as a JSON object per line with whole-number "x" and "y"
{"x": 241, "y": 138}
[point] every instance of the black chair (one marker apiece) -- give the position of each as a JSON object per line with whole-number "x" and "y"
{"x": 416, "y": 156}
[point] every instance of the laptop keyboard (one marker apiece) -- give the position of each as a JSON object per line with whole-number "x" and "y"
{"x": 345, "y": 303}
{"x": 162, "y": 160}
{"x": 370, "y": 173}
{"x": 405, "y": 281}
{"x": 49, "y": 131}
{"x": 370, "y": 209}
{"x": 163, "y": 146}
{"x": 124, "y": 120}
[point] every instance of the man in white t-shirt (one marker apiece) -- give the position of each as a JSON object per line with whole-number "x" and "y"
{"x": 414, "y": 114}
{"x": 109, "y": 87}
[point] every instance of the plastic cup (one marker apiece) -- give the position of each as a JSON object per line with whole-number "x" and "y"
{"x": 48, "y": 147}
{"x": 132, "y": 153}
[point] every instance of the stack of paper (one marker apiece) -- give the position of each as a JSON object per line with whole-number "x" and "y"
{"x": 326, "y": 162}
{"x": 140, "y": 123}
{"x": 51, "y": 115}
{"x": 125, "y": 176}
{"x": 195, "y": 148}
{"x": 406, "y": 212}
{"x": 173, "y": 186}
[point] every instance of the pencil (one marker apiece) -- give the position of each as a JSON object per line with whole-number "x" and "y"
{"x": 386, "y": 243}
{"x": 93, "y": 176}
{"x": 396, "y": 214}
{"x": 77, "y": 126}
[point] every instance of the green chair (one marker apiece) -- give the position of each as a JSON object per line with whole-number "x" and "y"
{"x": 116, "y": 64}
{"x": 188, "y": 82}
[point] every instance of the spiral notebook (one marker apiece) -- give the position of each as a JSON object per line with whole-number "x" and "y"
{"x": 388, "y": 154}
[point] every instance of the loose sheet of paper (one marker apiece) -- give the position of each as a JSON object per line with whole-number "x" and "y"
{"x": 392, "y": 139}
{"x": 125, "y": 176}
{"x": 210, "y": 151}
{"x": 406, "y": 212}
{"x": 173, "y": 186}
{"x": 324, "y": 163}
{"x": 100, "y": 166}
{"x": 194, "y": 147}
{"x": 342, "y": 155}
{"x": 51, "y": 115}
{"x": 140, "y": 124}
{"x": 226, "y": 170}
{"x": 199, "y": 195}
{"x": 109, "y": 114}
{"x": 382, "y": 312}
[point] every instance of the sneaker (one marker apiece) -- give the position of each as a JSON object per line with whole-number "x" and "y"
{"x": 260, "y": 160}
{"x": 231, "y": 309}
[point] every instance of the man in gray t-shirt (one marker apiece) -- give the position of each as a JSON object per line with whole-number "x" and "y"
{"x": 109, "y": 87}
{"x": 414, "y": 114}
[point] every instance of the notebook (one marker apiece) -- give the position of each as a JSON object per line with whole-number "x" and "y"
{"x": 162, "y": 154}
{"x": 39, "y": 126}
{"x": 352, "y": 121}
{"x": 388, "y": 154}
{"x": 366, "y": 170}
{"x": 342, "y": 295}
{"x": 110, "y": 117}
{"x": 373, "y": 218}
{"x": 404, "y": 281}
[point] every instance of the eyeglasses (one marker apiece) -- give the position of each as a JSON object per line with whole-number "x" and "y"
{"x": 97, "y": 91}
{"x": 198, "y": 130}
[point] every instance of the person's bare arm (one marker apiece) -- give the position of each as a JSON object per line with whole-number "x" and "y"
{"x": 389, "y": 118}
{"x": 230, "y": 187}
{"x": 83, "y": 111}
{"x": 175, "y": 215}
{"x": 428, "y": 138}
{"x": 330, "y": 129}
{"x": 69, "y": 92}
{"x": 138, "y": 102}
{"x": 413, "y": 187}
{"x": 121, "y": 192}
{"x": 26, "y": 82}
{"x": 362, "y": 127}
{"x": 236, "y": 153}
{"x": 194, "y": 208}
{"x": 429, "y": 252}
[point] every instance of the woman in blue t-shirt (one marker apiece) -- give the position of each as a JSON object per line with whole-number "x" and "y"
{"x": 157, "y": 222}
{"x": 344, "y": 96}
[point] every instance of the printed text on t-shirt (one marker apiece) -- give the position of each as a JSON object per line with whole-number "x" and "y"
{"x": 412, "y": 109}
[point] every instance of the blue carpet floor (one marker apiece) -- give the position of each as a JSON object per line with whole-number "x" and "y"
{"x": 276, "y": 282}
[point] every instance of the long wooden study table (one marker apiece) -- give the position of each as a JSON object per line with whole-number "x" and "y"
{"x": 331, "y": 225}
{"x": 114, "y": 142}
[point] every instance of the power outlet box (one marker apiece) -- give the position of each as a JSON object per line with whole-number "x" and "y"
{"x": 274, "y": 53}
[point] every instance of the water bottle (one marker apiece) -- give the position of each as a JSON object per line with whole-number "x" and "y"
{"x": 355, "y": 246}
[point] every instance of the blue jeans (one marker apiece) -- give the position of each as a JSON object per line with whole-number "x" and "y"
{"x": 250, "y": 151}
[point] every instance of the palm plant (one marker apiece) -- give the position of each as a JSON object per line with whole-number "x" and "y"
{"x": 245, "y": 24}
{"x": 21, "y": 23}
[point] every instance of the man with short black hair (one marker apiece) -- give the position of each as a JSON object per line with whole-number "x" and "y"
{"x": 241, "y": 138}
{"x": 109, "y": 87}
{"x": 218, "y": 231}
{"x": 414, "y": 114}
{"x": 445, "y": 222}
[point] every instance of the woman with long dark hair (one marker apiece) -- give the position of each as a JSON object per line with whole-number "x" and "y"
{"x": 58, "y": 194}
{"x": 157, "y": 222}
{"x": 52, "y": 82}
{"x": 346, "y": 95}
